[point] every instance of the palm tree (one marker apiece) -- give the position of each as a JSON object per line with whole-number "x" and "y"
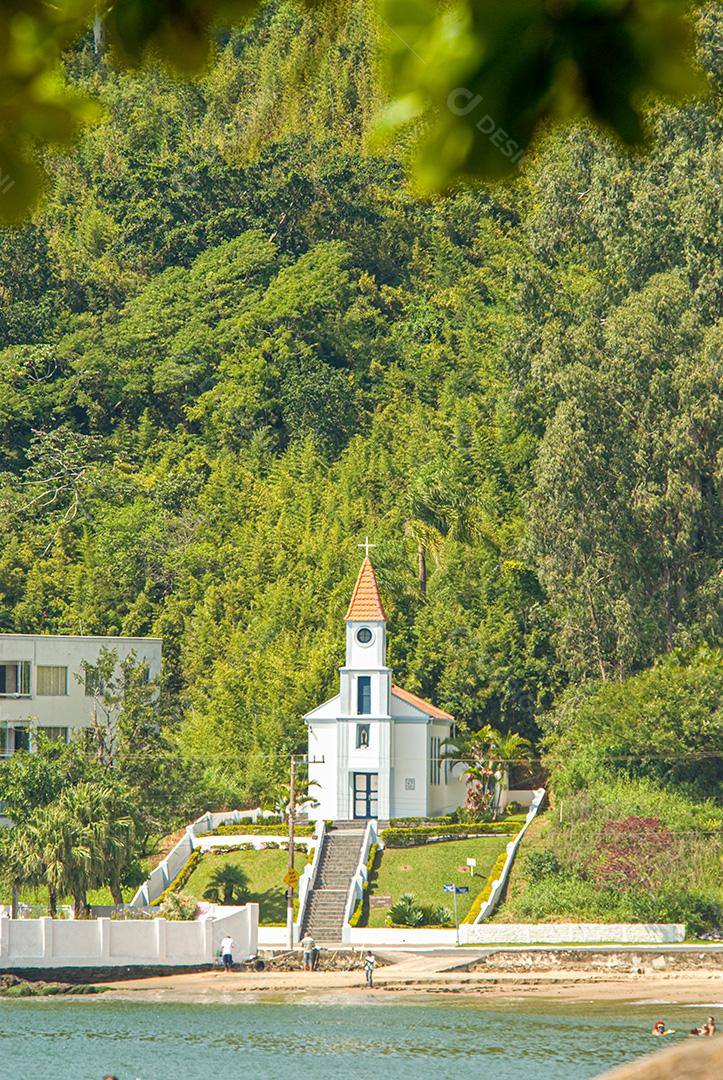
{"x": 85, "y": 838}
{"x": 52, "y": 845}
{"x": 227, "y": 885}
{"x": 486, "y": 756}
{"x": 18, "y": 864}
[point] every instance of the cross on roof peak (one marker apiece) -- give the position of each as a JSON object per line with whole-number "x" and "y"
{"x": 367, "y": 546}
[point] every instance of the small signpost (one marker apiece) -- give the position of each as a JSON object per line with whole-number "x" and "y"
{"x": 471, "y": 863}
{"x": 456, "y": 890}
{"x": 380, "y": 901}
{"x": 291, "y": 877}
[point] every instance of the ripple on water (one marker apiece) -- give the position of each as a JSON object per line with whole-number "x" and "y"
{"x": 275, "y": 1041}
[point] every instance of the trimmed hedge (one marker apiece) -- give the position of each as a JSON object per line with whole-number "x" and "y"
{"x": 356, "y": 915}
{"x": 481, "y": 897}
{"x": 429, "y": 834}
{"x": 416, "y": 822}
{"x": 180, "y": 879}
{"x": 249, "y": 829}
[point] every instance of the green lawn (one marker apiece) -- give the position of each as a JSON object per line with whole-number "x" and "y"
{"x": 265, "y": 870}
{"x": 37, "y": 897}
{"x": 424, "y": 870}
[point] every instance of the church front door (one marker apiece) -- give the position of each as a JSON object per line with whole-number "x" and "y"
{"x": 366, "y": 794}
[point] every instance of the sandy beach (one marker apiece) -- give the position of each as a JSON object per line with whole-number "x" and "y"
{"x": 418, "y": 975}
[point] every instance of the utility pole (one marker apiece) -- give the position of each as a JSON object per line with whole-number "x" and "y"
{"x": 290, "y": 873}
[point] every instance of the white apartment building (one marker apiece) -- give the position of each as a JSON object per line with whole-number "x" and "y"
{"x": 42, "y": 684}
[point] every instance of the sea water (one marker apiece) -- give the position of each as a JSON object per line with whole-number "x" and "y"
{"x": 321, "y": 1039}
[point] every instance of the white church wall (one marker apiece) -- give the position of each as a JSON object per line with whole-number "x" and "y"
{"x": 365, "y": 758}
{"x": 437, "y": 798}
{"x": 403, "y": 709}
{"x": 372, "y": 655}
{"x": 409, "y": 772}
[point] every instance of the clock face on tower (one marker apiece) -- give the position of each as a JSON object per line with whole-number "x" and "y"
{"x": 364, "y": 635}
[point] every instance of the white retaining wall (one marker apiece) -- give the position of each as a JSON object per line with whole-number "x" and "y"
{"x": 207, "y": 843}
{"x": 522, "y": 934}
{"x": 392, "y": 936}
{"x": 306, "y": 883}
{"x": 523, "y": 796}
{"x": 570, "y": 933}
{"x": 498, "y": 885}
{"x": 49, "y": 943}
{"x": 168, "y": 870}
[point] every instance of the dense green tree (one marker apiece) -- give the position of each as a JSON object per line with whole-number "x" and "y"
{"x": 233, "y": 343}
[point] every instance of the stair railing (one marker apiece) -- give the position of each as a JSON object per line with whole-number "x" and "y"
{"x": 356, "y": 886}
{"x": 307, "y": 881}
{"x": 498, "y": 885}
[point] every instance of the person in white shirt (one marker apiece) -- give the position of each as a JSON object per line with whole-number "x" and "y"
{"x": 227, "y": 953}
{"x": 369, "y": 965}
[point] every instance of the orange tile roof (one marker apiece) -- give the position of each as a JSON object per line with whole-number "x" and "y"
{"x": 366, "y": 603}
{"x": 420, "y": 703}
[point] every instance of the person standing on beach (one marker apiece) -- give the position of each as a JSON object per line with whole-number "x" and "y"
{"x": 369, "y": 965}
{"x": 309, "y": 947}
{"x": 227, "y": 953}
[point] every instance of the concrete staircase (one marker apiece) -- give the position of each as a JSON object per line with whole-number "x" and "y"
{"x": 339, "y": 859}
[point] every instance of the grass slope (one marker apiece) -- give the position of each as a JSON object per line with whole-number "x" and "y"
{"x": 424, "y": 870}
{"x": 265, "y": 871}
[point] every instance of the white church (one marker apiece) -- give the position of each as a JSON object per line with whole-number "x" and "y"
{"x": 375, "y": 749}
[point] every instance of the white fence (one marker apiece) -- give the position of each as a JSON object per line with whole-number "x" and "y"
{"x": 391, "y": 936}
{"x": 60, "y": 943}
{"x": 168, "y": 870}
{"x": 498, "y": 885}
{"x": 308, "y": 878}
{"x": 356, "y": 887}
{"x": 521, "y": 934}
{"x": 571, "y": 933}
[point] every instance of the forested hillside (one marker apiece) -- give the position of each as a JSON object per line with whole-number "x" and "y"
{"x": 234, "y": 342}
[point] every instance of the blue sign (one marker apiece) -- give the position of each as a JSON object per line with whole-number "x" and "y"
{"x": 462, "y": 888}
{"x": 448, "y": 888}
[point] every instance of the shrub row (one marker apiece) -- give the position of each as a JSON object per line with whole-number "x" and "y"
{"x": 483, "y": 896}
{"x": 426, "y": 834}
{"x": 249, "y": 829}
{"x": 415, "y": 822}
{"x": 356, "y": 915}
{"x": 180, "y": 879}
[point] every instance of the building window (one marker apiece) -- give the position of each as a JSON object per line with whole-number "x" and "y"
{"x": 21, "y": 738}
{"x": 362, "y": 736}
{"x": 52, "y": 680}
{"x": 55, "y": 734}
{"x": 364, "y": 635}
{"x": 364, "y": 695}
{"x": 435, "y": 764}
{"x": 15, "y": 678}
